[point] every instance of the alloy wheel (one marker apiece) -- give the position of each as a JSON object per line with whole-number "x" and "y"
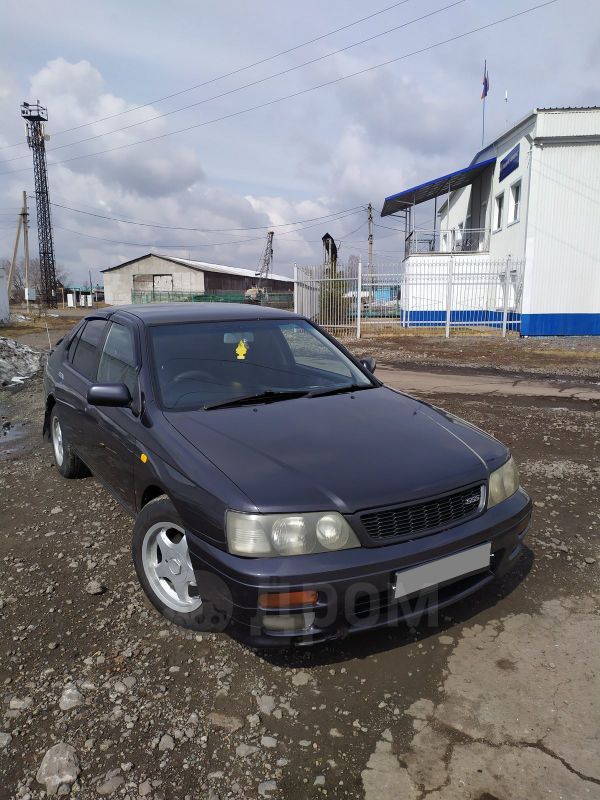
{"x": 57, "y": 442}
{"x": 167, "y": 565}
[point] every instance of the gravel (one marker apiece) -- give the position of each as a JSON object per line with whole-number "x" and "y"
{"x": 328, "y": 709}
{"x": 166, "y": 742}
{"x": 70, "y": 698}
{"x": 59, "y": 768}
{"x": 95, "y": 587}
{"x": 5, "y": 740}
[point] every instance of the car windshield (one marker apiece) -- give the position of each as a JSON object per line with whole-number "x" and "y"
{"x": 204, "y": 364}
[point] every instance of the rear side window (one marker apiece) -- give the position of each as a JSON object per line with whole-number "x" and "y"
{"x": 74, "y": 340}
{"x": 85, "y": 357}
{"x": 118, "y": 362}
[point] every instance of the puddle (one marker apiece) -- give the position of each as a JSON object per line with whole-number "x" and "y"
{"x": 12, "y": 437}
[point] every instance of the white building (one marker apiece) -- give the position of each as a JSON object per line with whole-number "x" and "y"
{"x": 531, "y": 196}
{"x": 155, "y": 277}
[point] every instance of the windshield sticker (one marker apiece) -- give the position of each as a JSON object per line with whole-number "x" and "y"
{"x": 241, "y": 350}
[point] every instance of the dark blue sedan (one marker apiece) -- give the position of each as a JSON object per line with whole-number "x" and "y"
{"x": 279, "y": 490}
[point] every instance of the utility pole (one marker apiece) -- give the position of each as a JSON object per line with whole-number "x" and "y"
{"x": 15, "y": 250}
{"x": 22, "y": 225}
{"x": 35, "y": 115}
{"x": 25, "y": 213}
{"x": 370, "y": 264}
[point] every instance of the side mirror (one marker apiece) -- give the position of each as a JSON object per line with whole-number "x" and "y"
{"x": 109, "y": 394}
{"x": 369, "y": 364}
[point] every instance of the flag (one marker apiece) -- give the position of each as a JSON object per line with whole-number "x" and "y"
{"x": 486, "y": 83}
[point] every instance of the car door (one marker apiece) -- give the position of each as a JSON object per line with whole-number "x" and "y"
{"x": 77, "y": 372}
{"x": 114, "y": 429}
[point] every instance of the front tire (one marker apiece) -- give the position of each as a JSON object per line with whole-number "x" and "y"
{"x": 162, "y": 562}
{"x": 67, "y": 463}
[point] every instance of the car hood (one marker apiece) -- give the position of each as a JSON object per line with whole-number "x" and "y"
{"x": 347, "y": 452}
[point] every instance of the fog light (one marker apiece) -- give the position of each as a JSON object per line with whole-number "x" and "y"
{"x": 287, "y": 599}
{"x": 288, "y": 622}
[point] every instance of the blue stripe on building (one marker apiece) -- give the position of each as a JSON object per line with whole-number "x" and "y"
{"x": 560, "y": 324}
{"x": 434, "y": 318}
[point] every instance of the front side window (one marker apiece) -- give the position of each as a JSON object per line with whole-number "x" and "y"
{"x": 118, "y": 361}
{"x": 515, "y": 202}
{"x": 84, "y": 358}
{"x": 203, "y": 363}
{"x": 499, "y": 212}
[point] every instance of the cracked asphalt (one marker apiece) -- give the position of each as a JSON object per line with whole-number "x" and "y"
{"x": 497, "y": 699}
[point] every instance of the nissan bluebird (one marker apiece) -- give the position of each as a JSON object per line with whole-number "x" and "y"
{"x": 279, "y": 490}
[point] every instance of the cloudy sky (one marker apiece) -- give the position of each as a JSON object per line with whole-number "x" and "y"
{"x": 230, "y": 175}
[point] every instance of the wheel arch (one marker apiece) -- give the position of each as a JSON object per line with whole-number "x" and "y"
{"x": 50, "y": 403}
{"x": 152, "y": 492}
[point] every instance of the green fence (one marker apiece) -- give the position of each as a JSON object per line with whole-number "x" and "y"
{"x": 284, "y": 300}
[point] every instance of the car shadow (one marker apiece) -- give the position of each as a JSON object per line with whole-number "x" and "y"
{"x": 362, "y": 645}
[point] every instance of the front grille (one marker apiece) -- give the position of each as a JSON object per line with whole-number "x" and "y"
{"x": 419, "y": 519}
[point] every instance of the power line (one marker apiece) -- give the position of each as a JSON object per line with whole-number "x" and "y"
{"x": 341, "y": 239}
{"x": 301, "y": 92}
{"x": 388, "y": 227}
{"x": 204, "y": 230}
{"x": 222, "y": 77}
{"x": 152, "y": 245}
{"x": 252, "y": 83}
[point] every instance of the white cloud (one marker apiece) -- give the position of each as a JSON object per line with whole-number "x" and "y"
{"x": 339, "y": 147}
{"x": 161, "y": 182}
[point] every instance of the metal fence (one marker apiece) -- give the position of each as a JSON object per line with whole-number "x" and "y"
{"x": 447, "y": 240}
{"x": 440, "y": 294}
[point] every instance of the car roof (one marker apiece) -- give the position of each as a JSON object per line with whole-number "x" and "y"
{"x": 160, "y": 313}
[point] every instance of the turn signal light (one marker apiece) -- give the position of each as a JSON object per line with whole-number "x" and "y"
{"x": 287, "y": 599}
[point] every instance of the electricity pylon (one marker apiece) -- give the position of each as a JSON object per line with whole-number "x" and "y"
{"x": 35, "y": 116}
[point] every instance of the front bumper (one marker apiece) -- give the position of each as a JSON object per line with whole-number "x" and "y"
{"x": 355, "y": 587}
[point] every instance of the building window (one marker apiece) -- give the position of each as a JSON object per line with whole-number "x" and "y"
{"x": 499, "y": 212}
{"x": 514, "y": 202}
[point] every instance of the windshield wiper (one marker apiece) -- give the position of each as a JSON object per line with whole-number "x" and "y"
{"x": 349, "y": 387}
{"x": 270, "y": 395}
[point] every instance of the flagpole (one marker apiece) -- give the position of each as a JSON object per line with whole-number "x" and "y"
{"x": 483, "y": 109}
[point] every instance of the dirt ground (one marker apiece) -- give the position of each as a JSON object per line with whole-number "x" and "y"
{"x": 499, "y": 699}
{"x": 545, "y": 357}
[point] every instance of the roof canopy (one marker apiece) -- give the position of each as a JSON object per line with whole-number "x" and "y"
{"x": 434, "y": 188}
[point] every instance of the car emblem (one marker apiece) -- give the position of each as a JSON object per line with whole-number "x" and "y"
{"x": 472, "y": 500}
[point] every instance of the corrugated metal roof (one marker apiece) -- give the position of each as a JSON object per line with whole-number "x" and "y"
{"x": 434, "y": 188}
{"x": 570, "y": 108}
{"x": 203, "y": 266}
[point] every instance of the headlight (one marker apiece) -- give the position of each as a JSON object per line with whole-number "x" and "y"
{"x": 288, "y": 534}
{"x": 504, "y": 482}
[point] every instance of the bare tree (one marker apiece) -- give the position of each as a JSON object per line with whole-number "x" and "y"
{"x": 352, "y": 267}
{"x": 17, "y": 294}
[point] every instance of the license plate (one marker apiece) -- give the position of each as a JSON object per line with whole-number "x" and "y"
{"x": 445, "y": 569}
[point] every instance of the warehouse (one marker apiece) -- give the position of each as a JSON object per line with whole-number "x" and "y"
{"x": 529, "y": 197}
{"x": 154, "y": 277}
